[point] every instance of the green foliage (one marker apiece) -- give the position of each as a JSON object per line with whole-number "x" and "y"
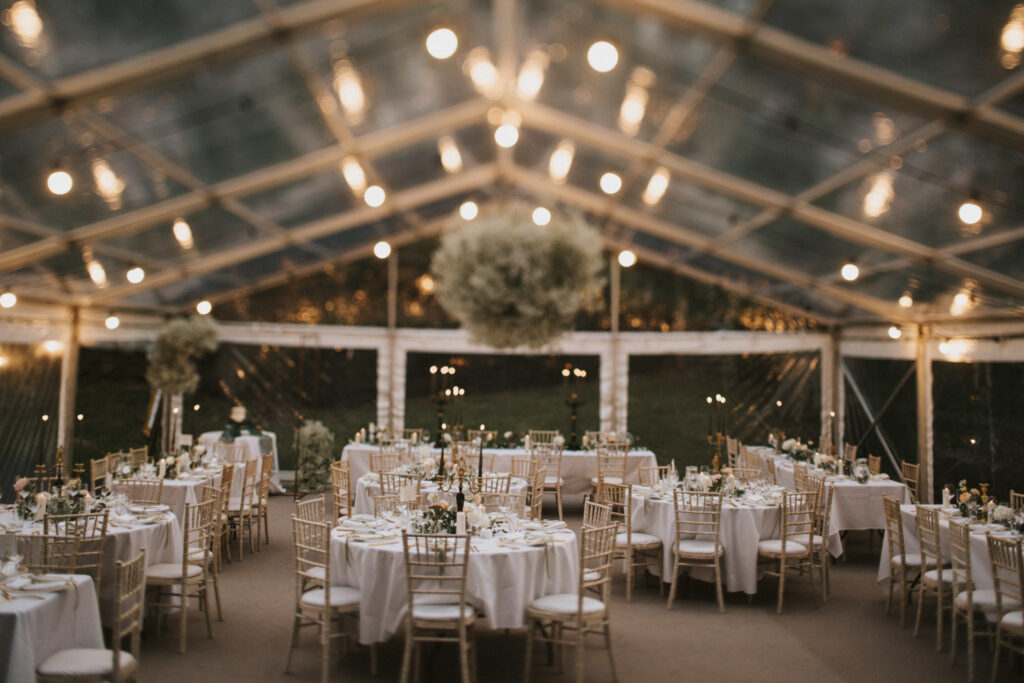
{"x": 514, "y": 284}
{"x": 172, "y": 360}
{"x": 315, "y": 447}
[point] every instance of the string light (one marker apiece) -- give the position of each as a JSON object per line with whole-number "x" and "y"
{"x": 468, "y": 210}
{"x": 506, "y": 135}
{"x": 97, "y": 273}
{"x": 634, "y": 102}
{"x": 627, "y": 259}
{"x": 561, "y": 161}
{"x": 602, "y": 56}
{"x": 349, "y": 86}
{"x": 969, "y": 212}
{"x": 531, "y": 75}
{"x": 895, "y": 332}
{"x": 108, "y": 186}
{"x": 52, "y": 346}
{"x": 59, "y": 182}
{"x": 8, "y": 299}
{"x": 204, "y": 307}
{"x": 451, "y": 159}
{"x": 541, "y": 216}
{"x": 135, "y": 275}
{"x": 442, "y": 43}
{"x": 482, "y": 72}
{"x": 610, "y": 183}
{"x": 374, "y": 196}
{"x": 656, "y": 186}
{"x": 354, "y": 175}
{"x": 907, "y": 300}
{"x": 850, "y": 271}
{"x": 183, "y": 233}
{"x": 382, "y": 250}
{"x": 112, "y": 322}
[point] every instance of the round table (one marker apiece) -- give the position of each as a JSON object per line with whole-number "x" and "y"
{"x": 743, "y": 524}
{"x": 368, "y": 486}
{"x": 505, "y": 576}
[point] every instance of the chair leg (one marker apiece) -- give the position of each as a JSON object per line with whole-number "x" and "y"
{"x": 579, "y": 655}
{"x": 325, "y": 645}
{"x": 216, "y": 591}
{"x": 675, "y": 580}
{"x": 558, "y": 498}
{"x": 266, "y": 525}
{"x": 630, "y": 573}
{"x": 939, "y": 610}
{"x": 464, "y": 655}
{"x": 782, "y": 582}
{"x": 529, "y": 651}
{"x": 183, "y": 620}
{"x": 920, "y": 609}
{"x": 903, "y": 598}
{"x": 995, "y": 657}
{"x": 718, "y": 586}
{"x": 970, "y": 649}
{"x": 407, "y": 654}
{"x": 295, "y": 642}
{"x": 608, "y": 646}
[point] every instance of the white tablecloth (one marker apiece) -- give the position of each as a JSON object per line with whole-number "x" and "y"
{"x": 31, "y": 630}
{"x": 502, "y": 581}
{"x": 369, "y": 485}
{"x": 578, "y": 467}
{"x": 253, "y": 451}
{"x": 981, "y": 567}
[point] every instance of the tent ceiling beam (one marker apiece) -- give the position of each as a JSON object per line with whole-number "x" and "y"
{"x": 218, "y": 47}
{"x": 263, "y": 179}
{"x": 817, "y": 61}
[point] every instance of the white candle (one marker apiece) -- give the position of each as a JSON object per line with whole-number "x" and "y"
{"x": 108, "y": 481}
{"x": 162, "y": 470}
{"x": 946, "y": 496}
{"x": 460, "y": 523}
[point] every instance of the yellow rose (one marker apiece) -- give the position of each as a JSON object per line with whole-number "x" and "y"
{"x": 975, "y": 492}
{"x": 964, "y": 497}
{"x": 443, "y": 505}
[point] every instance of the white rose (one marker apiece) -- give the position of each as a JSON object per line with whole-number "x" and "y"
{"x": 558, "y": 441}
{"x": 1002, "y": 514}
{"x": 508, "y": 435}
{"x": 789, "y": 444}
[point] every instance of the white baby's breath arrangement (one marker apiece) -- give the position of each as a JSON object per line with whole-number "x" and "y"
{"x": 172, "y": 359}
{"x": 514, "y": 284}
{"x": 314, "y": 445}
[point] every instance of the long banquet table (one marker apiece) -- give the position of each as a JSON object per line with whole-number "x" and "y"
{"x": 578, "y": 467}
{"x": 33, "y": 628}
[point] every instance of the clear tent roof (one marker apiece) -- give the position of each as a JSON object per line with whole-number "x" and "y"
{"x": 796, "y": 137}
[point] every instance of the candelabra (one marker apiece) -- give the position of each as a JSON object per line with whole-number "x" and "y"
{"x": 716, "y": 441}
{"x": 573, "y": 401}
{"x": 462, "y": 476}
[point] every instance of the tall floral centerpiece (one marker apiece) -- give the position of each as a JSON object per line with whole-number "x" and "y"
{"x": 314, "y": 446}
{"x": 512, "y": 283}
{"x": 172, "y": 364}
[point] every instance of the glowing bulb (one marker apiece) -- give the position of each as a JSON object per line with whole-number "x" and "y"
{"x": 3, "y": 361}
{"x": 541, "y": 216}
{"x": 112, "y": 322}
{"x": 25, "y": 22}
{"x": 183, "y": 233}
{"x": 907, "y": 300}
{"x": 634, "y": 103}
{"x": 561, "y": 161}
{"x": 52, "y": 346}
{"x": 46, "y": 418}
{"x": 374, "y": 196}
{"x": 135, "y": 275}
{"x": 8, "y": 299}
{"x": 451, "y": 159}
{"x": 531, "y": 75}
{"x": 895, "y": 332}
{"x": 656, "y": 187}
{"x": 382, "y": 250}
{"x": 80, "y": 417}
{"x": 442, "y": 43}
{"x": 350, "y": 91}
{"x": 969, "y": 212}
{"x": 880, "y": 194}
{"x": 506, "y": 135}
{"x": 482, "y": 72}
{"x": 204, "y": 307}
{"x": 96, "y": 273}
{"x": 60, "y": 182}
{"x": 961, "y": 302}
{"x": 108, "y": 186}
{"x": 627, "y": 258}
{"x": 602, "y": 56}
{"x": 353, "y": 174}
{"x": 468, "y": 210}
{"x": 850, "y": 272}
{"x": 610, "y": 183}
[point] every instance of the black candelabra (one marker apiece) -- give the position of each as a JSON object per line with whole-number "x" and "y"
{"x": 572, "y": 399}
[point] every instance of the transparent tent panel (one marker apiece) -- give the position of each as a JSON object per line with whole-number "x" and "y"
{"x": 1007, "y": 259}
{"x": 420, "y": 162}
{"x": 533, "y": 151}
{"x": 213, "y": 229}
{"x": 950, "y": 45}
{"x": 1014, "y": 105}
{"x": 590, "y": 164}
{"x": 305, "y": 200}
{"x": 78, "y": 36}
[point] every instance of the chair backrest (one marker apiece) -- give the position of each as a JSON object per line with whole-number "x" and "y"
{"x": 400, "y": 451}
{"x": 488, "y": 436}
{"x": 392, "y": 482}
{"x": 596, "y": 515}
{"x": 893, "y": 527}
{"x": 928, "y": 536}
{"x": 550, "y": 457}
{"x": 128, "y": 607}
{"x": 732, "y": 450}
{"x": 91, "y": 530}
{"x": 542, "y": 436}
{"x": 654, "y": 474}
{"x": 875, "y": 464}
{"x": 384, "y": 461}
{"x": 748, "y": 474}
{"x": 537, "y": 493}
{"x": 211, "y": 493}
{"x": 849, "y": 452}
{"x": 227, "y": 478}
{"x": 747, "y": 458}
{"x": 698, "y": 515}
{"x": 341, "y": 488}
{"x": 114, "y": 459}
{"x": 197, "y": 532}
{"x": 960, "y": 559}
{"x": 798, "y": 517}
{"x": 413, "y": 435}
{"x": 611, "y": 460}
{"x": 495, "y": 483}
{"x": 1016, "y": 501}
{"x": 910, "y": 473}
{"x": 249, "y": 482}
{"x": 98, "y": 473}
{"x": 524, "y": 468}
{"x": 823, "y": 512}
{"x": 311, "y": 543}
{"x": 49, "y": 553}
{"x": 266, "y": 471}
{"x": 142, "y": 491}
{"x": 768, "y": 469}
{"x": 138, "y": 456}
{"x": 493, "y": 502}
{"x": 472, "y": 460}
{"x": 800, "y": 476}
{"x": 230, "y": 452}
{"x": 311, "y": 509}
{"x": 595, "y": 438}
{"x": 1007, "y": 572}
{"x": 384, "y": 503}
{"x": 618, "y": 498}
{"x": 436, "y": 567}
{"x": 597, "y": 553}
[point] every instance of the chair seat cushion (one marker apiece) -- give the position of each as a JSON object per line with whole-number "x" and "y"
{"x": 171, "y": 570}
{"x": 341, "y": 596}
{"x": 553, "y": 481}
{"x": 774, "y": 547}
{"x": 591, "y": 576}
{"x": 1013, "y": 622}
{"x": 85, "y": 662}
{"x": 608, "y": 480}
{"x": 316, "y": 572}
{"x": 909, "y": 560}
{"x": 983, "y": 601}
{"x": 429, "y": 612}
{"x": 692, "y": 547}
{"x": 637, "y": 538}
{"x": 566, "y": 603}
{"x": 933, "y": 576}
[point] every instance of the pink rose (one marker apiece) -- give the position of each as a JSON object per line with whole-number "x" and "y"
{"x": 20, "y": 484}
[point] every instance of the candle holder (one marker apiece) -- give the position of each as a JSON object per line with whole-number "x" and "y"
{"x": 439, "y": 399}
{"x": 716, "y": 441}
{"x": 574, "y": 402}
{"x": 462, "y": 476}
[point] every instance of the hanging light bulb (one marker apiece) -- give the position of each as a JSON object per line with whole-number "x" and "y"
{"x": 850, "y": 271}
{"x": 451, "y": 159}
{"x": 970, "y": 212}
{"x": 561, "y": 161}
{"x": 204, "y": 307}
{"x": 907, "y": 300}
{"x": 602, "y": 56}
{"x": 962, "y": 302}
{"x": 108, "y": 186}
{"x": 656, "y": 186}
{"x": 135, "y": 275}
{"x": 183, "y": 233}
{"x": 349, "y": 86}
{"x": 895, "y": 332}
{"x": 541, "y": 216}
{"x": 506, "y": 135}
{"x": 374, "y": 196}
{"x": 8, "y": 299}
{"x": 627, "y": 258}
{"x": 610, "y": 183}
{"x": 59, "y": 181}
{"x": 382, "y": 250}
{"x": 97, "y": 273}
{"x": 482, "y": 72}
{"x": 531, "y": 75}
{"x": 442, "y": 43}
{"x": 112, "y": 322}
{"x": 634, "y": 103}
{"x": 468, "y": 210}
{"x": 879, "y": 195}
{"x": 354, "y": 175}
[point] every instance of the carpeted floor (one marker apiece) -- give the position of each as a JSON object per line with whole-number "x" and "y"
{"x": 847, "y": 639}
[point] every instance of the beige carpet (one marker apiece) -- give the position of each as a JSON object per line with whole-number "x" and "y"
{"x": 847, "y": 639}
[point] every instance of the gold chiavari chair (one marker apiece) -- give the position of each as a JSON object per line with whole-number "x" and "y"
{"x": 209, "y": 554}
{"x": 311, "y": 509}
{"x": 768, "y": 469}
{"x": 318, "y": 603}
{"x": 91, "y": 664}
{"x": 542, "y": 436}
{"x": 494, "y": 502}
{"x": 173, "y": 583}
{"x": 488, "y": 436}
{"x": 1016, "y": 501}
{"x": 341, "y": 489}
{"x": 800, "y": 476}
{"x": 91, "y": 530}
{"x": 495, "y": 483}
{"x": 230, "y": 452}
{"x": 97, "y": 474}
{"x": 900, "y": 562}
{"x": 569, "y": 617}
{"x": 822, "y": 530}
{"x": 596, "y": 515}
{"x": 594, "y": 438}
{"x": 536, "y": 500}
{"x": 263, "y": 498}
{"x": 141, "y": 491}
{"x": 44, "y": 554}
{"x": 114, "y": 459}
{"x": 138, "y": 456}
{"x": 968, "y": 603}
{"x": 413, "y": 435}
{"x": 464, "y": 451}
{"x": 937, "y": 581}
{"x": 795, "y": 548}
{"x": 523, "y": 468}
{"x": 227, "y": 478}
{"x": 747, "y": 458}
{"x": 748, "y": 474}
{"x": 550, "y": 458}
{"x": 849, "y": 453}
{"x": 240, "y": 510}
{"x": 398, "y": 449}
{"x": 391, "y": 483}
{"x": 732, "y": 451}
{"x": 652, "y": 475}
{"x": 910, "y": 473}
{"x": 436, "y": 569}
{"x": 1008, "y": 579}
{"x": 472, "y": 461}
{"x": 875, "y": 464}
{"x": 385, "y": 503}
{"x": 611, "y": 464}
{"x": 384, "y": 462}
{"x": 698, "y": 538}
{"x": 630, "y": 546}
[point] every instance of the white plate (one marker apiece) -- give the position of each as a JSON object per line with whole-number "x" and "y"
{"x": 47, "y": 583}
{"x": 148, "y": 508}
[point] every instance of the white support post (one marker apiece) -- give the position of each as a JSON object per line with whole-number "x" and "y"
{"x": 828, "y": 383}
{"x": 621, "y": 398}
{"x": 607, "y": 392}
{"x": 925, "y": 418}
{"x": 612, "y": 371}
{"x": 398, "y": 366}
{"x": 384, "y": 368}
{"x": 68, "y": 389}
{"x": 391, "y": 346}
